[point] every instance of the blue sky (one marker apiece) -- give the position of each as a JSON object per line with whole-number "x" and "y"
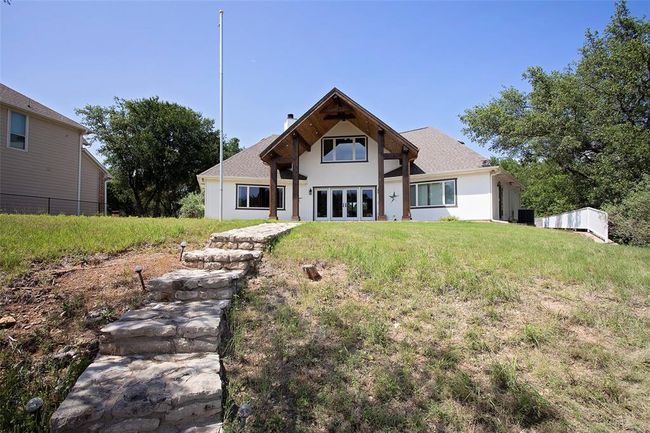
{"x": 412, "y": 64}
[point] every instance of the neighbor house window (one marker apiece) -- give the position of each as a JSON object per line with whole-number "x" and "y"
{"x": 433, "y": 194}
{"x": 17, "y": 130}
{"x": 345, "y": 149}
{"x": 257, "y": 197}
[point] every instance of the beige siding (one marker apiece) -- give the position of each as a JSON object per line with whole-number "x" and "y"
{"x": 92, "y": 186}
{"x": 49, "y": 167}
{"x": 90, "y": 174}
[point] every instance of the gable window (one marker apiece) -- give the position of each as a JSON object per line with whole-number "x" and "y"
{"x": 257, "y": 197}
{"x": 440, "y": 193}
{"x": 344, "y": 149}
{"x": 17, "y": 131}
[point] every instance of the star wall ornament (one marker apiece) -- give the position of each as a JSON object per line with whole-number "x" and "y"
{"x": 393, "y": 196}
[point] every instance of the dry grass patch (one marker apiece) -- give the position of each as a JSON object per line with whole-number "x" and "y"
{"x": 450, "y": 327}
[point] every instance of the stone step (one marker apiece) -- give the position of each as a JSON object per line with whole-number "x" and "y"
{"x": 206, "y": 428}
{"x": 177, "y": 327}
{"x": 219, "y": 258}
{"x": 194, "y": 284}
{"x": 249, "y": 238}
{"x": 165, "y": 393}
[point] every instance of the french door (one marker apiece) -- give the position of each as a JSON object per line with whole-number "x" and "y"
{"x": 344, "y": 203}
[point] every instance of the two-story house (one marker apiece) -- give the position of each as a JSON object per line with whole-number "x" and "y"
{"x": 44, "y": 164}
{"x": 338, "y": 161}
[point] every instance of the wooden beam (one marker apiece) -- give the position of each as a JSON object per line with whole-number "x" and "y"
{"x": 392, "y": 155}
{"x": 406, "y": 187}
{"x": 282, "y": 160}
{"x": 380, "y": 176}
{"x": 304, "y": 145}
{"x": 273, "y": 191}
{"x": 295, "y": 186}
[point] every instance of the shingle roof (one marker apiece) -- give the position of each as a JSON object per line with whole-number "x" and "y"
{"x": 246, "y": 163}
{"x": 438, "y": 153}
{"x": 16, "y": 99}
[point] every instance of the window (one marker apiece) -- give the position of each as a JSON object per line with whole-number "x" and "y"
{"x": 257, "y": 197}
{"x": 344, "y": 149}
{"x": 17, "y": 131}
{"x": 433, "y": 194}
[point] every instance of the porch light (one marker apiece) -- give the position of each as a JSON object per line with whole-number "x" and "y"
{"x": 309, "y": 191}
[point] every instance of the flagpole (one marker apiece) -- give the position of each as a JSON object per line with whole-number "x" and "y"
{"x": 222, "y": 135}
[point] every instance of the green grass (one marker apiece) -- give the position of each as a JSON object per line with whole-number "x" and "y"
{"x": 28, "y": 238}
{"x": 474, "y": 259}
{"x": 450, "y": 326}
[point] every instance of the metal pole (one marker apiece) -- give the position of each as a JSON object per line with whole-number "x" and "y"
{"x": 222, "y": 135}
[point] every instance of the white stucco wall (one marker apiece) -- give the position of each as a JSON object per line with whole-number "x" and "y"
{"x": 230, "y": 210}
{"x": 473, "y": 199}
{"x": 342, "y": 174}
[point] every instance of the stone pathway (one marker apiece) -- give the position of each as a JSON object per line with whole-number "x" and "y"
{"x": 158, "y": 369}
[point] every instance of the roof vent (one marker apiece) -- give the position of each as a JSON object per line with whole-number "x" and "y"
{"x": 289, "y": 121}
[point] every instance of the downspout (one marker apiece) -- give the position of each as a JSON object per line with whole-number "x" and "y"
{"x": 106, "y": 179}
{"x": 492, "y": 174}
{"x": 81, "y": 140}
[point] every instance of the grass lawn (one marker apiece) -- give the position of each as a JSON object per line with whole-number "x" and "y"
{"x": 448, "y": 327}
{"x": 28, "y": 238}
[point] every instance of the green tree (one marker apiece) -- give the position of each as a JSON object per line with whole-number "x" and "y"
{"x": 586, "y": 129}
{"x": 154, "y": 150}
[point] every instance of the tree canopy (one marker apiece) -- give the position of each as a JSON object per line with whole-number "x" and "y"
{"x": 581, "y": 136}
{"x": 154, "y": 150}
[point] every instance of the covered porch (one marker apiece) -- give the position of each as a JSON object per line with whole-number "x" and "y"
{"x": 300, "y": 136}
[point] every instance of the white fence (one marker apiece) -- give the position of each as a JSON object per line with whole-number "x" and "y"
{"x": 587, "y": 218}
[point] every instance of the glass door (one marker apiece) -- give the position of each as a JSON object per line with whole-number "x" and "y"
{"x": 344, "y": 204}
{"x": 322, "y": 205}
{"x": 351, "y": 204}
{"x": 367, "y": 203}
{"x": 338, "y": 204}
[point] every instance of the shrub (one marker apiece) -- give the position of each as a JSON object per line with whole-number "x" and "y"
{"x": 192, "y": 206}
{"x": 629, "y": 221}
{"x": 449, "y": 218}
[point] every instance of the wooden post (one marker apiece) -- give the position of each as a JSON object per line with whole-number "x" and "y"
{"x": 380, "y": 176}
{"x": 406, "y": 187}
{"x": 273, "y": 191}
{"x": 295, "y": 168}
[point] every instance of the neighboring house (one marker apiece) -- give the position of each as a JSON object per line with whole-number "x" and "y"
{"x": 338, "y": 161}
{"x": 44, "y": 166}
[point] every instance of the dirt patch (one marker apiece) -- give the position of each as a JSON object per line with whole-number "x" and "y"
{"x": 57, "y": 299}
{"x": 59, "y": 309}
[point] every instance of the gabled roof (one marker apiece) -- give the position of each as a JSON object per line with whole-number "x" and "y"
{"x": 439, "y": 153}
{"x": 332, "y": 108}
{"x": 19, "y": 101}
{"x": 96, "y": 161}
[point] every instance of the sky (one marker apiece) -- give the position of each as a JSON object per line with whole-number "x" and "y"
{"x": 412, "y": 64}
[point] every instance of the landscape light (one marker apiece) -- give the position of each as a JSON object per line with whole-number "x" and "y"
{"x": 183, "y": 245}
{"x": 138, "y": 270}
